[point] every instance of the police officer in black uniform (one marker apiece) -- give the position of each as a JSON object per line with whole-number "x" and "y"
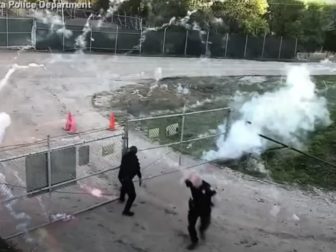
{"x": 129, "y": 168}
{"x": 199, "y": 207}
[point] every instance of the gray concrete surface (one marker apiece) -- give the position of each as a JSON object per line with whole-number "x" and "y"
{"x": 249, "y": 216}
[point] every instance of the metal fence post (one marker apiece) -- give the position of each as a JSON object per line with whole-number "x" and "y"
{"x": 7, "y": 30}
{"x": 186, "y": 43}
{"x": 227, "y": 126}
{"x": 182, "y": 133}
{"x": 63, "y": 37}
{"x": 227, "y": 44}
{"x": 295, "y": 49}
{"x": 263, "y": 47}
{"x": 164, "y": 40}
{"x": 141, "y": 34}
{"x": 49, "y": 164}
{"x": 280, "y": 48}
{"x": 34, "y": 34}
{"x": 90, "y": 40}
{"x": 116, "y": 41}
{"x": 245, "y": 48}
{"x": 207, "y": 43}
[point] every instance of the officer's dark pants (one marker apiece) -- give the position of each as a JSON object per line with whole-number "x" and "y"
{"x": 193, "y": 215}
{"x": 127, "y": 187}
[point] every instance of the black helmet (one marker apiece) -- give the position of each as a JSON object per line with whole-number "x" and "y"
{"x": 133, "y": 149}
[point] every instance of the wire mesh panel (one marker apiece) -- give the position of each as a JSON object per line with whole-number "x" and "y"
{"x": 199, "y": 127}
{"x": 153, "y": 42}
{"x": 309, "y": 46}
{"x": 254, "y": 47}
{"x": 103, "y": 40}
{"x": 196, "y": 43}
{"x": 20, "y": 25}
{"x": 175, "y": 41}
{"x": 288, "y": 48}
{"x": 63, "y": 165}
{"x": 129, "y": 34}
{"x": 83, "y": 155}
{"x": 95, "y": 174}
{"x": 236, "y": 46}
{"x": 217, "y": 44}
{"x": 128, "y": 40}
{"x": 20, "y": 32}
{"x": 272, "y": 46}
{"x": 3, "y": 39}
{"x": 3, "y": 32}
{"x": 78, "y": 39}
{"x": 164, "y": 130}
{"x": 103, "y": 154}
{"x": 19, "y": 39}
{"x": 36, "y": 171}
{"x": 3, "y": 25}
{"x": 47, "y": 38}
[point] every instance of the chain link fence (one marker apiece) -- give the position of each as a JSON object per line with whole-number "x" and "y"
{"x": 171, "y": 41}
{"x": 188, "y": 133}
{"x": 124, "y": 34}
{"x": 16, "y": 32}
{"x": 57, "y": 179}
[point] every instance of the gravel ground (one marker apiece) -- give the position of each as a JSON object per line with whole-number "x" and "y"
{"x": 250, "y": 215}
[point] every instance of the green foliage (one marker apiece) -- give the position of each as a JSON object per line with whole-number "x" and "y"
{"x": 240, "y": 15}
{"x": 134, "y": 8}
{"x": 285, "y": 19}
{"x": 286, "y": 166}
{"x": 313, "y": 22}
{"x": 100, "y": 4}
{"x": 160, "y": 12}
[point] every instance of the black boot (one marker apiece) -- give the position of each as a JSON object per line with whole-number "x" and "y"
{"x": 192, "y": 245}
{"x": 202, "y": 235}
{"x": 128, "y": 213}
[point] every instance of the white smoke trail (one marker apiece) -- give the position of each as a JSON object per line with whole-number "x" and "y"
{"x": 13, "y": 69}
{"x": 23, "y": 218}
{"x": 114, "y": 6}
{"x": 184, "y": 22}
{"x": 54, "y": 21}
{"x": 5, "y": 121}
{"x": 39, "y": 198}
{"x": 81, "y": 39}
{"x": 287, "y": 114}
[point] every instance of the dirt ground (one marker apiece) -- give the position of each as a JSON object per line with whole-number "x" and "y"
{"x": 250, "y": 215}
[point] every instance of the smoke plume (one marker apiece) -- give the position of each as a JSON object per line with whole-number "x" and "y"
{"x": 54, "y": 21}
{"x": 288, "y": 114}
{"x": 5, "y": 121}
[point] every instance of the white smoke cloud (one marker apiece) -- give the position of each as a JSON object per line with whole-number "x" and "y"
{"x": 5, "y": 121}
{"x": 54, "y": 21}
{"x": 114, "y": 6}
{"x": 81, "y": 39}
{"x": 287, "y": 114}
{"x": 23, "y": 218}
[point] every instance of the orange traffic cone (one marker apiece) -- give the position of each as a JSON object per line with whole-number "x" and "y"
{"x": 73, "y": 126}
{"x": 68, "y": 122}
{"x": 112, "y": 122}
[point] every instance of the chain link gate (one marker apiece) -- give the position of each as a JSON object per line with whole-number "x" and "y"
{"x": 58, "y": 179}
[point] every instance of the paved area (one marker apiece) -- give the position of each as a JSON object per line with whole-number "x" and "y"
{"x": 249, "y": 216}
